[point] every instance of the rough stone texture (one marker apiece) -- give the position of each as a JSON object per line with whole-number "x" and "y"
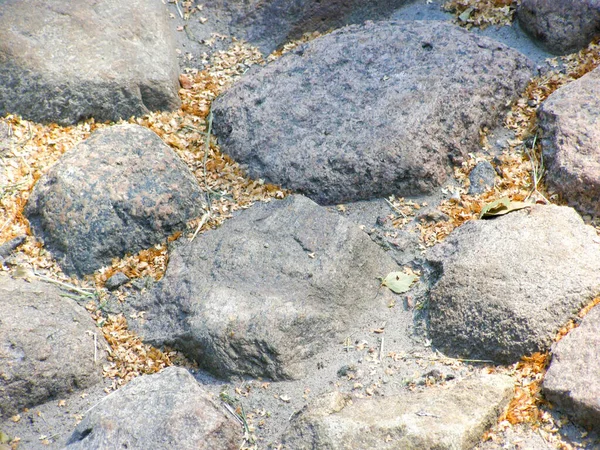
{"x": 121, "y": 190}
{"x": 368, "y": 111}
{"x": 46, "y": 345}
{"x": 267, "y": 290}
{"x": 437, "y": 418}
{"x": 164, "y": 411}
{"x": 505, "y": 286}
{"x": 560, "y": 26}
{"x": 572, "y": 382}
{"x": 63, "y": 62}
{"x": 482, "y": 178}
{"x": 268, "y": 24}
{"x": 570, "y": 124}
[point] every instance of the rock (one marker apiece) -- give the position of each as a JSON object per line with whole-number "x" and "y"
{"x": 64, "y": 62}
{"x": 268, "y": 24}
{"x": 120, "y": 191}
{"x": 116, "y": 281}
{"x": 46, "y": 345}
{"x": 8, "y": 247}
{"x": 560, "y": 26}
{"x": 570, "y": 124}
{"x": 482, "y": 178}
{"x": 572, "y": 382}
{"x": 267, "y": 290}
{"x": 450, "y": 417}
{"x": 162, "y": 411}
{"x": 505, "y": 286}
{"x": 368, "y": 126}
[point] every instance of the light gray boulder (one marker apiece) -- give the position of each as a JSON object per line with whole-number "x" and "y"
{"x": 572, "y": 382}
{"x": 504, "y": 287}
{"x": 165, "y": 411}
{"x": 451, "y": 417}
{"x": 368, "y": 111}
{"x": 49, "y": 345}
{"x": 63, "y": 61}
{"x": 268, "y": 290}
{"x": 569, "y": 120}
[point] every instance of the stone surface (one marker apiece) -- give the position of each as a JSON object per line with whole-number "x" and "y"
{"x": 64, "y": 62}
{"x": 560, "y": 26}
{"x": 163, "y": 411}
{"x": 506, "y": 286}
{"x": 368, "y": 126}
{"x": 453, "y": 417}
{"x": 267, "y": 290}
{"x": 120, "y": 191}
{"x": 115, "y": 281}
{"x": 572, "y": 382}
{"x": 570, "y": 123}
{"x": 268, "y": 24}
{"x": 482, "y": 178}
{"x": 46, "y": 345}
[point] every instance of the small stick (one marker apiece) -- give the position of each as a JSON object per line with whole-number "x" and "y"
{"x": 232, "y": 412}
{"x": 200, "y": 225}
{"x": 178, "y": 10}
{"x": 381, "y": 349}
{"x": 395, "y": 209}
{"x": 65, "y": 285}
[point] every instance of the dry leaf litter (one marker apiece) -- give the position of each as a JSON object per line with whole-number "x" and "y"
{"x": 32, "y": 148}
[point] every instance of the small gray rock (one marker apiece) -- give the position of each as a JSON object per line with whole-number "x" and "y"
{"x": 120, "y": 191}
{"x": 505, "y": 286}
{"x": 165, "y": 411}
{"x": 442, "y": 418}
{"x": 46, "y": 345}
{"x": 572, "y": 382}
{"x": 482, "y": 178}
{"x": 116, "y": 281}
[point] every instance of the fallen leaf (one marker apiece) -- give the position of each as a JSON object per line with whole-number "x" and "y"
{"x": 399, "y": 282}
{"x": 500, "y": 207}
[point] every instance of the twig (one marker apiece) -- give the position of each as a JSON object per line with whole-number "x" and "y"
{"x": 232, "y": 412}
{"x": 381, "y": 349}
{"x": 395, "y": 208}
{"x": 65, "y": 285}
{"x": 178, "y": 10}
{"x": 200, "y": 225}
{"x": 537, "y": 169}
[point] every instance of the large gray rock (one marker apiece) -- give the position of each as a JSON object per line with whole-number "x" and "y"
{"x": 268, "y": 24}
{"x": 560, "y": 26}
{"x": 572, "y": 382}
{"x": 267, "y": 291}
{"x": 505, "y": 286}
{"x": 46, "y": 345}
{"x": 120, "y": 191}
{"x": 368, "y": 111}
{"x": 570, "y": 124}
{"x": 165, "y": 411}
{"x": 63, "y": 61}
{"x": 441, "y": 418}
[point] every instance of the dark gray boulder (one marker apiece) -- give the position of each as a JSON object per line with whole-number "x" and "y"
{"x": 120, "y": 191}
{"x": 165, "y": 411}
{"x": 49, "y": 345}
{"x": 572, "y": 382}
{"x": 267, "y": 291}
{"x": 506, "y": 286}
{"x": 560, "y": 26}
{"x": 482, "y": 178}
{"x": 368, "y": 111}
{"x": 268, "y": 24}
{"x": 64, "y": 62}
{"x": 570, "y": 124}
{"x": 442, "y": 418}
